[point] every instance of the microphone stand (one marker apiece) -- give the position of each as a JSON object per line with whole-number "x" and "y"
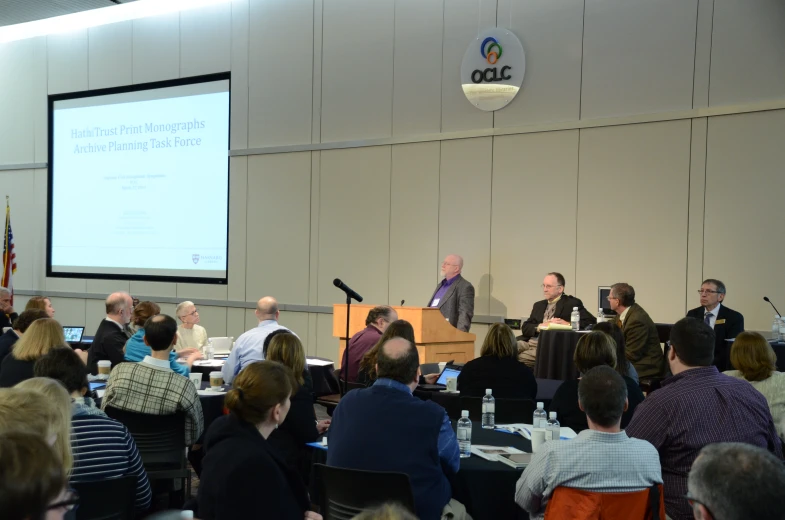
{"x": 345, "y": 362}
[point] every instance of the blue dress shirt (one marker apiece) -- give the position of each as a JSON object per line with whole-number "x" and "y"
{"x": 248, "y": 348}
{"x": 136, "y": 350}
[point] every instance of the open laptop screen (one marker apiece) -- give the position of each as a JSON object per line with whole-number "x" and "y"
{"x": 73, "y": 334}
{"x": 447, "y": 372}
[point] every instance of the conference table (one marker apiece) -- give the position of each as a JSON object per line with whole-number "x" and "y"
{"x": 555, "y": 350}
{"x": 546, "y": 388}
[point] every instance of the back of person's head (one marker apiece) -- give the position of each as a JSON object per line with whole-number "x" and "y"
{"x": 31, "y": 476}
{"x": 624, "y": 292}
{"x": 595, "y": 348}
{"x": 41, "y": 336}
{"x": 288, "y": 350}
{"x": 613, "y": 330}
{"x": 693, "y": 341}
{"x": 396, "y": 329}
{"x": 602, "y": 394}
{"x": 258, "y": 388}
{"x": 388, "y": 511}
{"x": 499, "y": 342}
{"x": 269, "y": 338}
{"x": 398, "y": 360}
{"x": 115, "y": 302}
{"x": 752, "y": 355}
{"x": 380, "y": 311}
{"x": 143, "y": 312}
{"x": 23, "y": 322}
{"x": 160, "y": 331}
{"x": 735, "y": 481}
{"x": 57, "y": 395}
{"x": 64, "y": 365}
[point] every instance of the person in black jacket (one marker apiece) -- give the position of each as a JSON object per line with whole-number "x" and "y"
{"x": 7, "y": 314}
{"x": 498, "y": 368}
{"x": 594, "y": 349}
{"x": 726, "y": 322}
{"x": 21, "y": 324}
{"x": 41, "y": 337}
{"x": 110, "y": 338}
{"x": 243, "y": 476}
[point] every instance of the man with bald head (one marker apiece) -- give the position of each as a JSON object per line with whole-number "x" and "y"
{"x": 454, "y": 296}
{"x": 248, "y": 347}
{"x": 110, "y": 338}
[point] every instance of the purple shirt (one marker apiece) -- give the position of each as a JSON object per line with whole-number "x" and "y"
{"x": 442, "y": 290}
{"x": 697, "y": 407}
{"x": 361, "y": 343}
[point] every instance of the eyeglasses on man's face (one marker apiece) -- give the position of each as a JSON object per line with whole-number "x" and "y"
{"x": 192, "y": 313}
{"x": 609, "y": 298}
{"x": 707, "y": 291}
{"x": 549, "y": 287}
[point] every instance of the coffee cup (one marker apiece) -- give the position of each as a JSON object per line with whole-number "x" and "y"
{"x": 538, "y": 438}
{"x": 452, "y": 384}
{"x": 196, "y": 379}
{"x": 216, "y": 380}
{"x": 442, "y": 364}
{"x": 104, "y": 367}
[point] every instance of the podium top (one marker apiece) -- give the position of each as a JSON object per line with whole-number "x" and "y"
{"x": 428, "y": 323}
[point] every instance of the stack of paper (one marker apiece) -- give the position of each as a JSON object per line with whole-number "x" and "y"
{"x": 525, "y": 431}
{"x": 555, "y": 326}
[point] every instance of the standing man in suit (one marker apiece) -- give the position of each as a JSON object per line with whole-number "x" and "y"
{"x": 7, "y": 314}
{"x": 110, "y": 338}
{"x": 640, "y": 334}
{"x": 454, "y": 296}
{"x": 555, "y": 308}
{"x": 726, "y": 322}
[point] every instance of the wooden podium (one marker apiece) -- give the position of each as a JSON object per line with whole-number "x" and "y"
{"x": 435, "y": 338}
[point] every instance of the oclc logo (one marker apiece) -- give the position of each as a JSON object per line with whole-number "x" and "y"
{"x": 491, "y": 50}
{"x": 491, "y": 78}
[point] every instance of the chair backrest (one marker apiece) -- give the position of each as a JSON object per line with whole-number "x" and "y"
{"x": 107, "y": 499}
{"x": 429, "y": 368}
{"x": 664, "y": 331}
{"x": 344, "y": 493}
{"x": 507, "y": 410}
{"x": 160, "y": 439}
{"x": 222, "y": 344}
{"x": 577, "y": 504}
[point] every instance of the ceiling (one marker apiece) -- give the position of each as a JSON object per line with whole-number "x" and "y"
{"x": 20, "y": 11}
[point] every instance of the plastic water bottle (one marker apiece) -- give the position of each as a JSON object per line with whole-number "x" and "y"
{"x": 553, "y": 427}
{"x": 465, "y": 435}
{"x": 775, "y": 329}
{"x": 540, "y": 417}
{"x": 601, "y": 316}
{"x": 209, "y": 352}
{"x": 575, "y": 319}
{"x": 488, "y": 410}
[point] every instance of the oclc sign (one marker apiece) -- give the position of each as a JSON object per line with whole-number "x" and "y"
{"x": 492, "y": 69}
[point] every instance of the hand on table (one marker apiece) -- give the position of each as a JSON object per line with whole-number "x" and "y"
{"x": 184, "y": 353}
{"x": 193, "y": 356}
{"x": 321, "y": 426}
{"x": 431, "y": 378}
{"x": 559, "y": 321}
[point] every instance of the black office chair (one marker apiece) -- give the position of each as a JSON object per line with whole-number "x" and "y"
{"x": 507, "y": 411}
{"x": 107, "y": 499}
{"x": 345, "y": 493}
{"x": 429, "y": 368}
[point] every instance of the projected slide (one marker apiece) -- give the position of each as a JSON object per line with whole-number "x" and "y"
{"x": 139, "y": 183}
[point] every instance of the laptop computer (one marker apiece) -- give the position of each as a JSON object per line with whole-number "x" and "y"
{"x": 73, "y": 334}
{"x": 441, "y": 382}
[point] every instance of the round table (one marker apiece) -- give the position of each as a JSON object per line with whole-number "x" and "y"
{"x": 555, "y": 349}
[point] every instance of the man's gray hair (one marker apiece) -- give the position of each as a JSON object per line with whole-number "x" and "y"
{"x": 181, "y": 308}
{"x": 4, "y": 291}
{"x": 736, "y": 481}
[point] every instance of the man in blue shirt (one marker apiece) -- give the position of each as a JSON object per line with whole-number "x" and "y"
{"x": 386, "y": 428}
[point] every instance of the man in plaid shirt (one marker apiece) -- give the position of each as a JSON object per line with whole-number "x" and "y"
{"x": 151, "y": 386}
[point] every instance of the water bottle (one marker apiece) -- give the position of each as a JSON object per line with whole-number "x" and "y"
{"x": 601, "y": 316}
{"x": 465, "y": 435}
{"x": 782, "y": 329}
{"x": 488, "y": 410}
{"x": 540, "y": 417}
{"x": 575, "y": 319}
{"x": 775, "y": 329}
{"x": 553, "y": 428}
{"x": 209, "y": 352}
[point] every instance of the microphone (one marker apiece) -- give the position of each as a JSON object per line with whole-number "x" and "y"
{"x": 402, "y": 302}
{"x": 348, "y": 290}
{"x": 766, "y": 298}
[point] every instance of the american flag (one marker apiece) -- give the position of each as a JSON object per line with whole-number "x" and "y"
{"x": 9, "y": 255}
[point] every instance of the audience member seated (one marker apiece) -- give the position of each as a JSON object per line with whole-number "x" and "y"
{"x": 696, "y": 407}
{"x": 300, "y": 426}
{"x": 593, "y": 349}
{"x": 306, "y": 373}
{"x": 388, "y": 511}
{"x": 102, "y": 448}
{"x": 41, "y": 303}
{"x": 42, "y": 335}
{"x": 32, "y": 479}
{"x": 243, "y": 476}
{"x": 366, "y": 374}
{"x": 726, "y": 322}
{"x": 109, "y": 340}
{"x": 377, "y": 321}
{"x": 136, "y": 350}
{"x": 7, "y": 314}
{"x": 623, "y": 365}
{"x": 640, "y": 333}
{"x": 498, "y": 368}
{"x": 151, "y": 387}
{"x": 733, "y": 481}
{"x": 755, "y": 361}
{"x": 248, "y": 347}
{"x": 386, "y": 428}
{"x": 190, "y": 334}
{"x": 21, "y": 324}
{"x": 602, "y": 459}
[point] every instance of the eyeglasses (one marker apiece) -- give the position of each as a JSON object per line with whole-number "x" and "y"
{"x": 693, "y": 501}
{"x": 69, "y": 503}
{"x": 707, "y": 291}
{"x": 194, "y": 313}
{"x": 609, "y": 298}
{"x": 549, "y": 287}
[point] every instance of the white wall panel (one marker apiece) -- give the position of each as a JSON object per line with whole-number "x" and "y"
{"x": 235, "y": 322}
{"x": 67, "y": 62}
{"x": 195, "y": 291}
{"x": 213, "y": 319}
{"x": 107, "y": 287}
{"x": 297, "y": 322}
{"x": 280, "y": 72}
{"x": 152, "y": 289}
{"x": 638, "y": 56}
{"x": 747, "y": 51}
{"x": 357, "y": 69}
{"x": 552, "y": 35}
{"x": 19, "y": 186}
{"x": 109, "y": 55}
{"x": 239, "y": 66}
{"x": 17, "y": 102}
{"x": 205, "y": 40}
{"x": 37, "y": 238}
{"x": 238, "y": 204}
{"x": 417, "y": 86}
{"x": 72, "y": 311}
{"x": 326, "y": 344}
{"x": 156, "y": 48}
{"x": 40, "y": 87}
{"x": 78, "y": 285}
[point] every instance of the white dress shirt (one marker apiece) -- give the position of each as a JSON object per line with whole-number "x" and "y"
{"x": 714, "y": 312}
{"x": 156, "y": 363}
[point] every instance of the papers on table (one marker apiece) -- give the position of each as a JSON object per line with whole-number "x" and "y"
{"x": 525, "y": 431}
{"x": 210, "y": 363}
{"x": 555, "y": 326}
{"x": 492, "y": 452}
{"x": 210, "y": 392}
{"x": 100, "y": 393}
{"x": 319, "y": 362}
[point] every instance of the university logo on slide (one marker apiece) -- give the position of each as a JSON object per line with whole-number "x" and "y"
{"x": 492, "y": 77}
{"x": 195, "y": 258}
{"x": 491, "y": 50}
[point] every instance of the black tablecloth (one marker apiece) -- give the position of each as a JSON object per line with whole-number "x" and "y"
{"x": 779, "y": 349}
{"x": 555, "y": 349}
{"x": 545, "y": 390}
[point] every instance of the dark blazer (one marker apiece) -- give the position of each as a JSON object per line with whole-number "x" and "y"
{"x": 508, "y": 378}
{"x": 642, "y": 343}
{"x": 728, "y": 325}
{"x": 563, "y": 310}
{"x": 13, "y": 371}
{"x": 569, "y": 414}
{"x": 298, "y": 429}
{"x": 244, "y": 477}
{"x": 108, "y": 343}
{"x": 457, "y": 305}
{"x": 7, "y": 342}
{"x": 6, "y": 320}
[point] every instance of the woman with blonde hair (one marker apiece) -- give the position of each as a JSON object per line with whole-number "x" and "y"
{"x": 755, "y": 360}
{"x": 40, "y": 338}
{"x": 498, "y": 368}
{"x": 42, "y": 303}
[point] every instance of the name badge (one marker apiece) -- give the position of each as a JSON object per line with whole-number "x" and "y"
{"x": 435, "y": 302}
{"x": 719, "y": 322}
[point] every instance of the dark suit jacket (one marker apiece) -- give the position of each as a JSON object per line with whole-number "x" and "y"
{"x": 732, "y": 326}
{"x": 13, "y": 371}
{"x": 7, "y": 341}
{"x": 298, "y": 429}
{"x": 6, "y": 320}
{"x": 108, "y": 343}
{"x": 508, "y": 378}
{"x": 643, "y": 343}
{"x": 563, "y": 310}
{"x": 457, "y": 305}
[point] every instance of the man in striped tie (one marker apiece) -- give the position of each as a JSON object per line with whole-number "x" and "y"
{"x": 726, "y": 322}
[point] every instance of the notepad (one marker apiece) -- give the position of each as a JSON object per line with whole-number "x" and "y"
{"x": 525, "y": 431}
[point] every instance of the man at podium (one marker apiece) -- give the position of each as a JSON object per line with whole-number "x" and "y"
{"x": 454, "y": 296}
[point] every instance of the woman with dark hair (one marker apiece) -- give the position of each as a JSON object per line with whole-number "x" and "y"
{"x": 397, "y": 329}
{"x": 243, "y": 476}
{"x": 623, "y": 366}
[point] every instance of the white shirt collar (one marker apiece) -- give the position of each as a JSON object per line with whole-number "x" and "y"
{"x": 122, "y": 327}
{"x": 156, "y": 363}
{"x": 715, "y": 311}
{"x": 623, "y": 315}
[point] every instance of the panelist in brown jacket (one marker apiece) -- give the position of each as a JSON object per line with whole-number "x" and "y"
{"x": 640, "y": 334}
{"x": 454, "y": 296}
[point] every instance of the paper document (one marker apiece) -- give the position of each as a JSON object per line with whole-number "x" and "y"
{"x": 319, "y": 362}
{"x": 525, "y": 430}
{"x": 209, "y": 363}
{"x": 556, "y": 326}
{"x": 491, "y": 452}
